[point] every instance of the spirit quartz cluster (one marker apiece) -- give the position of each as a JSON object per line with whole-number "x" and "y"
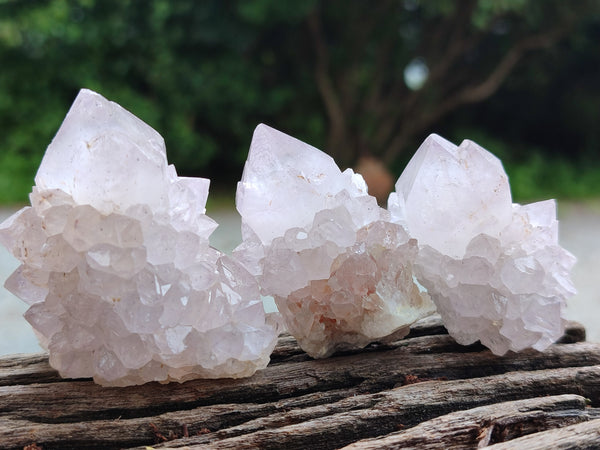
{"x": 494, "y": 269}
{"x": 340, "y": 271}
{"x": 124, "y": 287}
{"x": 116, "y": 264}
{"x": 343, "y": 271}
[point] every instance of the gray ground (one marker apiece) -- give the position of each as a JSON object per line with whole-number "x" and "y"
{"x": 579, "y": 233}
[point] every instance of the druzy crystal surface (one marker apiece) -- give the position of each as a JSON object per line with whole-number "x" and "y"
{"x": 116, "y": 264}
{"x": 494, "y": 269}
{"x": 340, "y": 271}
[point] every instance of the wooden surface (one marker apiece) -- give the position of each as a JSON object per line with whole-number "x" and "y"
{"x": 424, "y": 391}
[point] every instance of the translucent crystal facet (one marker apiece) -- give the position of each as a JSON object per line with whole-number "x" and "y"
{"x": 340, "y": 272}
{"x": 116, "y": 264}
{"x": 494, "y": 268}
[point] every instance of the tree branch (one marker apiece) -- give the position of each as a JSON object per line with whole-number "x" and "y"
{"x": 451, "y": 35}
{"x": 499, "y": 74}
{"x": 330, "y": 98}
{"x": 479, "y": 92}
{"x": 457, "y": 42}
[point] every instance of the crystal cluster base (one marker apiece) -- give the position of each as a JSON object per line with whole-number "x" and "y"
{"x": 340, "y": 271}
{"x": 116, "y": 264}
{"x": 494, "y": 268}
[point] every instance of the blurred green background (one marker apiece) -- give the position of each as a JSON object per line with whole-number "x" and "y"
{"x": 355, "y": 78}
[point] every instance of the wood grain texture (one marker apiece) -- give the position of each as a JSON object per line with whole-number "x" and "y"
{"x": 423, "y": 382}
{"x": 479, "y": 427}
{"x": 585, "y": 435}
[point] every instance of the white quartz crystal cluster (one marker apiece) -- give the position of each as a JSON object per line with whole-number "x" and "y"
{"x": 116, "y": 264}
{"x": 494, "y": 268}
{"x": 340, "y": 271}
{"x": 124, "y": 287}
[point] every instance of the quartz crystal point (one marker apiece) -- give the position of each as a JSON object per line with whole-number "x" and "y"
{"x": 340, "y": 272}
{"x": 494, "y": 268}
{"x": 116, "y": 264}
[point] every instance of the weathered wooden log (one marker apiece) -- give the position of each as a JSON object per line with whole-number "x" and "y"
{"x": 375, "y": 414}
{"x": 26, "y": 369}
{"x": 370, "y": 372}
{"x": 349, "y": 415}
{"x": 485, "y": 425}
{"x": 296, "y": 402}
{"x": 585, "y": 435}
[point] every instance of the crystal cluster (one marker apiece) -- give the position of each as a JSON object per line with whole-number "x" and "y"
{"x": 340, "y": 271}
{"x": 494, "y": 268}
{"x": 116, "y": 264}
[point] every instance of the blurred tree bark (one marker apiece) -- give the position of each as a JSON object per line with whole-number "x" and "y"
{"x": 469, "y": 48}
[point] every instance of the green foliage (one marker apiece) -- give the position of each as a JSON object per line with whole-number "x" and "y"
{"x": 535, "y": 174}
{"x": 550, "y": 176}
{"x": 205, "y": 73}
{"x": 202, "y": 73}
{"x": 488, "y": 10}
{"x": 16, "y": 177}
